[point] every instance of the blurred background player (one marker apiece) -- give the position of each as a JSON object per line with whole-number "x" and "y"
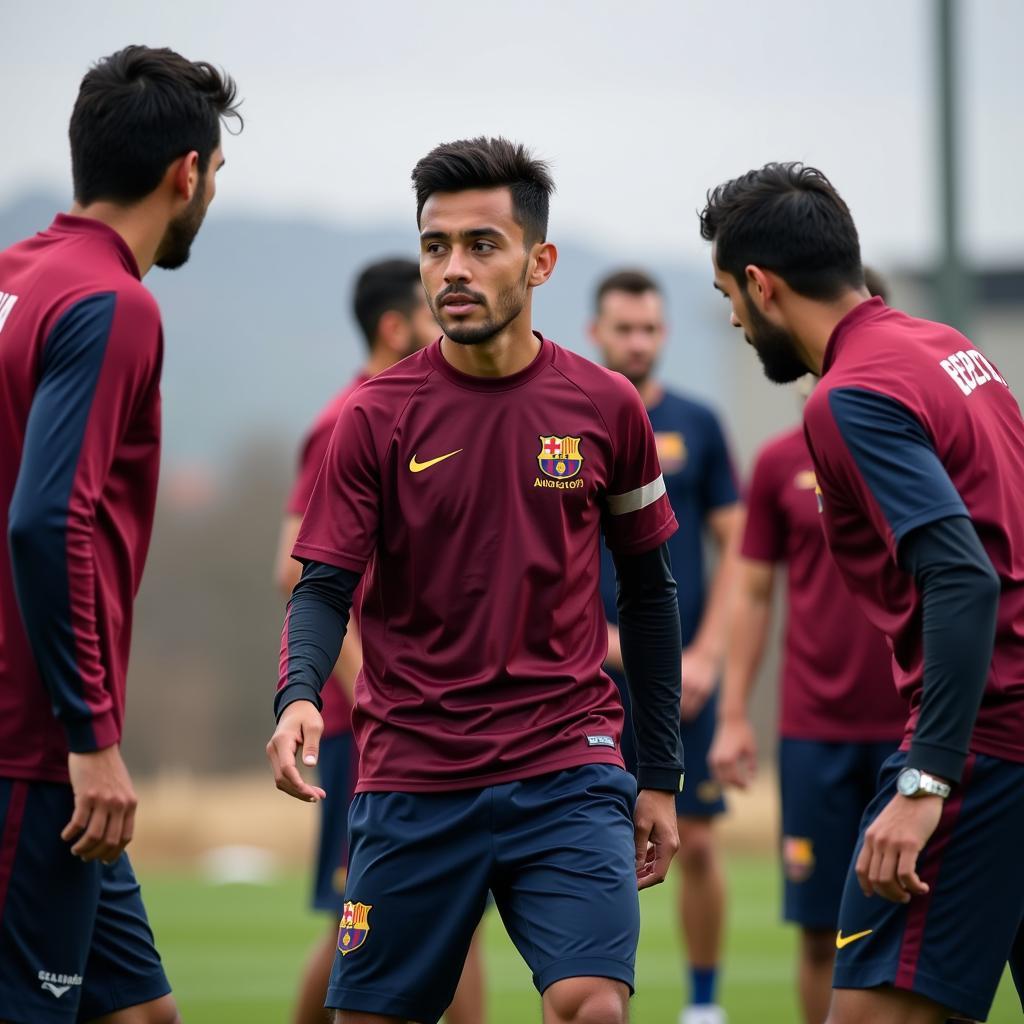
{"x": 840, "y": 715}
{"x": 918, "y": 451}
{"x": 629, "y": 330}
{"x": 395, "y": 320}
{"x": 81, "y": 349}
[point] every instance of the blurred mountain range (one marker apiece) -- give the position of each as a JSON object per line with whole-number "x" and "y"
{"x": 259, "y": 332}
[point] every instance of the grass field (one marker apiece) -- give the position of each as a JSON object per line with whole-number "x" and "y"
{"x": 233, "y": 953}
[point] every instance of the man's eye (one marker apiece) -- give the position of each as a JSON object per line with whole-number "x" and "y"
{"x": 434, "y": 248}
{"x": 484, "y": 246}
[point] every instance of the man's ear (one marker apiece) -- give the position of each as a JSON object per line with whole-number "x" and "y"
{"x": 184, "y": 175}
{"x": 543, "y": 257}
{"x": 760, "y": 286}
{"x": 393, "y": 331}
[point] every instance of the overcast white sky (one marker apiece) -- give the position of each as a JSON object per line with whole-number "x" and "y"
{"x": 640, "y": 107}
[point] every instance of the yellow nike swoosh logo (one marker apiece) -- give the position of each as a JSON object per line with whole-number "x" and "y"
{"x": 418, "y": 467}
{"x": 842, "y": 940}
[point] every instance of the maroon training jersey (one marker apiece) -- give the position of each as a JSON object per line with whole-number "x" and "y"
{"x": 478, "y": 503}
{"x": 911, "y": 424}
{"x": 837, "y": 683}
{"x": 80, "y": 357}
{"x": 337, "y": 712}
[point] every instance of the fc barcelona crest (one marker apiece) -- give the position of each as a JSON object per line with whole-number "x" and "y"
{"x": 355, "y": 926}
{"x": 559, "y": 456}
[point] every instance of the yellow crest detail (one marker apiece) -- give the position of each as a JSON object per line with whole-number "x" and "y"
{"x": 354, "y": 927}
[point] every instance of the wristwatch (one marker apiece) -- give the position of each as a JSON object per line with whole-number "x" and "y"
{"x": 913, "y": 782}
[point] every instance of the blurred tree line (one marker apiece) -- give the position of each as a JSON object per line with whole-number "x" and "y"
{"x": 208, "y": 619}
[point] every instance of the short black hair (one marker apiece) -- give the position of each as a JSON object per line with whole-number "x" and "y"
{"x": 787, "y": 218}
{"x": 489, "y": 163}
{"x": 634, "y": 282}
{"x": 381, "y": 287}
{"x": 139, "y": 110}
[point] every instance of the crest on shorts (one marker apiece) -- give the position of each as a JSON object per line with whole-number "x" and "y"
{"x": 798, "y": 857}
{"x": 559, "y": 456}
{"x": 709, "y": 791}
{"x": 355, "y": 926}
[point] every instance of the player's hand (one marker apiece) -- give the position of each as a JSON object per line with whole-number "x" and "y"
{"x": 700, "y": 673}
{"x": 656, "y": 834}
{"x": 104, "y": 816}
{"x": 299, "y": 728}
{"x": 887, "y": 864}
{"x": 733, "y": 754}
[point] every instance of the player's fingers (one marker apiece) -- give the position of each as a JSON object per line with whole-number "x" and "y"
{"x": 128, "y": 830}
{"x": 113, "y": 843}
{"x": 79, "y": 820}
{"x": 656, "y": 867}
{"x": 863, "y": 866}
{"x": 311, "y": 733}
{"x": 729, "y": 768}
{"x": 746, "y": 767}
{"x": 906, "y": 872}
{"x": 641, "y": 839}
{"x": 92, "y": 838}
{"x": 883, "y": 875}
{"x": 749, "y": 768}
{"x": 721, "y": 761}
{"x": 281, "y": 751}
{"x": 292, "y": 783}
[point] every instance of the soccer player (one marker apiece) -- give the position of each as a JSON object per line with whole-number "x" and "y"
{"x": 629, "y": 331}
{"x": 468, "y": 495}
{"x": 840, "y": 716}
{"x": 80, "y": 355}
{"x": 392, "y": 312}
{"x": 918, "y": 450}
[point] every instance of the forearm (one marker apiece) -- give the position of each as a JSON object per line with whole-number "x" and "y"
{"x": 960, "y": 600}
{"x": 54, "y": 579}
{"x": 651, "y": 653}
{"x": 314, "y": 629}
{"x": 749, "y": 620}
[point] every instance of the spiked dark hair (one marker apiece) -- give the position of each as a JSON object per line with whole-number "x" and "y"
{"x": 489, "y": 163}
{"x": 139, "y": 110}
{"x": 788, "y": 218}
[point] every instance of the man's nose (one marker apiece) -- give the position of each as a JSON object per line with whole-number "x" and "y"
{"x": 457, "y": 268}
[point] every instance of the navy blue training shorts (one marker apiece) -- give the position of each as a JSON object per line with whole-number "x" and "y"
{"x": 701, "y": 796}
{"x": 825, "y": 788}
{"x": 557, "y": 851}
{"x": 337, "y": 770}
{"x": 75, "y": 943}
{"x": 952, "y": 944}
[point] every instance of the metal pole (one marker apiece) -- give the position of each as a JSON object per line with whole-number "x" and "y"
{"x": 953, "y": 286}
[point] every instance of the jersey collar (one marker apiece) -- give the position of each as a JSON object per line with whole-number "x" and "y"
{"x": 857, "y": 316}
{"x": 68, "y": 224}
{"x": 465, "y": 380}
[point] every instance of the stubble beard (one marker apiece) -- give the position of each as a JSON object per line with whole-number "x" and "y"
{"x": 775, "y": 348}
{"x": 176, "y": 245}
{"x": 510, "y": 303}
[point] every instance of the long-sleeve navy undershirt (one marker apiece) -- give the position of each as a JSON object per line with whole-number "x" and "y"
{"x": 960, "y": 599}
{"x": 651, "y": 643}
{"x": 315, "y": 627}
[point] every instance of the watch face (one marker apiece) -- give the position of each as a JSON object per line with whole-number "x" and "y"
{"x": 909, "y": 781}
